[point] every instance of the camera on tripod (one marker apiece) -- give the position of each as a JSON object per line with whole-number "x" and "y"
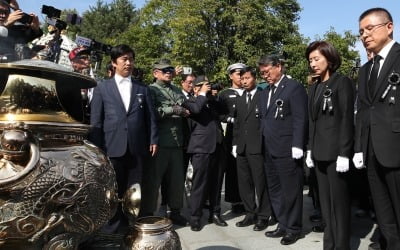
{"x": 53, "y": 17}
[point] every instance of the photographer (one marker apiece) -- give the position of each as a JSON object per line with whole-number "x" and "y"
{"x": 206, "y": 150}
{"x": 17, "y": 29}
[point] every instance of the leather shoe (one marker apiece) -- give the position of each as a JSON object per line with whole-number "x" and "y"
{"x": 289, "y": 238}
{"x": 272, "y": 221}
{"x": 374, "y": 246}
{"x": 217, "y": 220}
{"x": 318, "y": 228}
{"x": 177, "y": 219}
{"x": 316, "y": 218}
{"x": 260, "y": 225}
{"x": 195, "y": 225}
{"x": 277, "y": 233}
{"x": 247, "y": 221}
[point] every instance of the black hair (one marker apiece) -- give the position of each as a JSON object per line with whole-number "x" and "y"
{"x": 379, "y": 11}
{"x": 328, "y": 51}
{"x": 273, "y": 60}
{"x": 249, "y": 69}
{"x": 120, "y": 50}
{"x": 185, "y": 76}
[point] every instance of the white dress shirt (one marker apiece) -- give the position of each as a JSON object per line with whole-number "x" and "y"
{"x": 124, "y": 85}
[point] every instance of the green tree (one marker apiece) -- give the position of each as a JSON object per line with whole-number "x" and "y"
{"x": 209, "y": 35}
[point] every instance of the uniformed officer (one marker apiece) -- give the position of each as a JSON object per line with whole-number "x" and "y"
{"x": 228, "y": 98}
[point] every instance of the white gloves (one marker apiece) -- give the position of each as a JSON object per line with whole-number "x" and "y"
{"x": 309, "y": 160}
{"x": 342, "y": 164}
{"x": 358, "y": 160}
{"x": 297, "y": 153}
{"x": 234, "y": 151}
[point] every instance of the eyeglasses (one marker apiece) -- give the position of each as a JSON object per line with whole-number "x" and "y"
{"x": 168, "y": 70}
{"x": 370, "y": 29}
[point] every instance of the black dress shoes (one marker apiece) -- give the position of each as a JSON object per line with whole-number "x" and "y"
{"x": 272, "y": 221}
{"x": 195, "y": 225}
{"x": 217, "y": 220}
{"x": 290, "y": 238}
{"x": 260, "y": 225}
{"x": 318, "y": 228}
{"x": 277, "y": 233}
{"x": 247, "y": 221}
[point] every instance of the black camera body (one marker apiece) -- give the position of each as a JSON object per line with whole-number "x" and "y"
{"x": 216, "y": 86}
{"x": 51, "y": 12}
{"x": 101, "y": 47}
{"x": 26, "y": 18}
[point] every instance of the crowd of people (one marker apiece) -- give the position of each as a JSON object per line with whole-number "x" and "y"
{"x": 187, "y": 140}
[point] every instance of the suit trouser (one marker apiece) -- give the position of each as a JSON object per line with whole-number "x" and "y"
{"x": 385, "y": 190}
{"x": 334, "y": 195}
{"x": 252, "y": 181}
{"x": 128, "y": 171}
{"x": 285, "y": 187}
{"x": 232, "y": 193}
{"x": 207, "y": 182}
{"x": 167, "y": 166}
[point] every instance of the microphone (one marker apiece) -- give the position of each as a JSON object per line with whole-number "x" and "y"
{"x": 3, "y": 31}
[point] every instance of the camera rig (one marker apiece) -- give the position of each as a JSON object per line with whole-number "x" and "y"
{"x": 53, "y": 18}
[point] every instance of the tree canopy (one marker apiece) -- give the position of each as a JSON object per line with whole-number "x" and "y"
{"x": 209, "y": 35}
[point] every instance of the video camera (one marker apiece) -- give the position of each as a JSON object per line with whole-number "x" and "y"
{"x": 53, "y": 18}
{"x": 25, "y": 19}
{"x": 93, "y": 45}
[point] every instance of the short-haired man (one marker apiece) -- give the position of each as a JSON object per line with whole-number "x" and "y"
{"x": 250, "y": 163}
{"x": 284, "y": 123}
{"x": 377, "y": 139}
{"x": 187, "y": 85}
{"x": 206, "y": 148}
{"x": 124, "y": 124}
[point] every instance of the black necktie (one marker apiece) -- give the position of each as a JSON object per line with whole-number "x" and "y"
{"x": 273, "y": 88}
{"x": 248, "y": 100}
{"x": 373, "y": 76}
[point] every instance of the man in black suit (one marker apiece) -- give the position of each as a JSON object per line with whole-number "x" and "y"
{"x": 205, "y": 147}
{"x": 250, "y": 163}
{"x": 284, "y": 123}
{"x": 377, "y": 139}
{"x": 123, "y": 124}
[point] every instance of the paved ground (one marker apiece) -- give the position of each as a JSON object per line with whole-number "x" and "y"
{"x": 212, "y": 237}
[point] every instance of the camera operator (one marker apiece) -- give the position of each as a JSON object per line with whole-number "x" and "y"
{"x": 16, "y": 30}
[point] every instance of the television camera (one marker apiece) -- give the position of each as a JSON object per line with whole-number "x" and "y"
{"x": 97, "y": 50}
{"x": 53, "y": 18}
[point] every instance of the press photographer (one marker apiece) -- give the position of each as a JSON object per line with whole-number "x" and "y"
{"x": 16, "y": 30}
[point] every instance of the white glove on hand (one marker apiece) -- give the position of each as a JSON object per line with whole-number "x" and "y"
{"x": 309, "y": 160}
{"x": 297, "y": 153}
{"x": 234, "y": 151}
{"x": 358, "y": 160}
{"x": 342, "y": 164}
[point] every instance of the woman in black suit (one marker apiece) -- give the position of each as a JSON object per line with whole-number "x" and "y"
{"x": 331, "y": 99}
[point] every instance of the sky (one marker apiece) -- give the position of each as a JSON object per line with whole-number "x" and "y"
{"x": 316, "y": 16}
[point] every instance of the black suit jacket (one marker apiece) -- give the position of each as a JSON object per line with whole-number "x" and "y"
{"x": 331, "y": 133}
{"x": 247, "y": 132}
{"x": 280, "y": 135}
{"x": 204, "y": 125}
{"x": 378, "y": 120}
{"x": 113, "y": 128}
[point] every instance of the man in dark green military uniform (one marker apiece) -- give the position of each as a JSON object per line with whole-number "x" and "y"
{"x": 168, "y": 163}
